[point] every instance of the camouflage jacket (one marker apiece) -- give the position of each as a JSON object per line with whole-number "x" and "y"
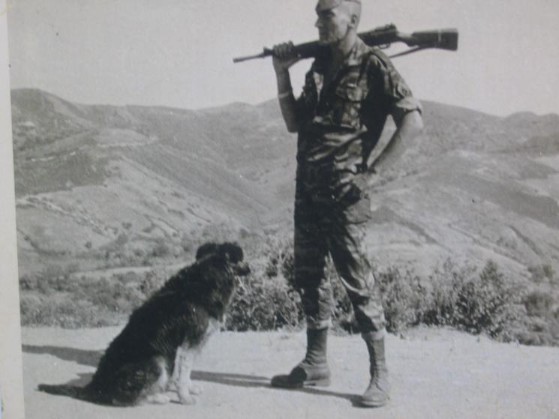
{"x": 341, "y": 122}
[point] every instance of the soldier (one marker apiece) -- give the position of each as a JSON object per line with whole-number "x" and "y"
{"x": 339, "y": 117}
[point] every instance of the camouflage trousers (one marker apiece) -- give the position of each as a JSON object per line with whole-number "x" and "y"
{"x": 330, "y": 219}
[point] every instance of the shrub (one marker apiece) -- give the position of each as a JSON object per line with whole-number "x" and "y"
{"x": 279, "y": 254}
{"x": 79, "y": 302}
{"x": 121, "y": 240}
{"x": 186, "y": 243}
{"x": 403, "y": 296}
{"x": 538, "y": 303}
{"x": 62, "y": 312}
{"x": 112, "y": 296}
{"x": 27, "y": 282}
{"x": 263, "y": 303}
{"x": 443, "y": 287}
{"x": 52, "y": 271}
{"x": 458, "y": 297}
{"x": 489, "y": 304}
{"x": 152, "y": 281}
{"x": 461, "y": 297}
{"x": 541, "y": 325}
{"x": 161, "y": 249}
{"x": 542, "y": 273}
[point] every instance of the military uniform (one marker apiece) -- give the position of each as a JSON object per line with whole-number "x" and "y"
{"x": 340, "y": 123}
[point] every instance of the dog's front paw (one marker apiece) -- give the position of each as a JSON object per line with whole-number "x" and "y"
{"x": 158, "y": 398}
{"x": 187, "y": 398}
{"x": 195, "y": 389}
{"x": 172, "y": 385}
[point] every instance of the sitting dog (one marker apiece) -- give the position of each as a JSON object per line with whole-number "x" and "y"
{"x": 155, "y": 352}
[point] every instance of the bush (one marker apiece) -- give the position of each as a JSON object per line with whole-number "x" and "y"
{"x": 85, "y": 302}
{"x": 152, "y": 281}
{"x": 443, "y": 288}
{"x": 538, "y": 303}
{"x": 27, "y": 282}
{"x": 542, "y": 273}
{"x": 264, "y": 304}
{"x": 267, "y": 300}
{"x": 186, "y": 243}
{"x": 62, "y": 312}
{"x": 112, "y": 296}
{"x": 403, "y": 297}
{"x": 161, "y": 249}
{"x": 489, "y": 304}
{"x": 461, "y": 297}
{"x": 541, "y": 326}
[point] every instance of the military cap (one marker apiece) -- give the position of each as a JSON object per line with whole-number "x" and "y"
{"x": 330, "y": 4}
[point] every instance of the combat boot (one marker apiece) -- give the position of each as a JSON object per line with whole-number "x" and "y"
{"x": 313, "y": 370}
{"x": 377, "y": 393}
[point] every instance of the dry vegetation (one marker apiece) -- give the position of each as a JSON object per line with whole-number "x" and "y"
{"x": 479, "y": 300}
{"x": 112, "y": 200}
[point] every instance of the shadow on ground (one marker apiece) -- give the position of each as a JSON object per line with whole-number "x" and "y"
{"x": 80, "y": 356}
{"x": 253, "y": 381}
{"x": 91, "y": 358}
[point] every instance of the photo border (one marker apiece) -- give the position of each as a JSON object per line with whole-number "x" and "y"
{"x": 11, "y": 373}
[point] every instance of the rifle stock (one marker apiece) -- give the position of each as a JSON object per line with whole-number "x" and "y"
{"x": 446, "y": 39}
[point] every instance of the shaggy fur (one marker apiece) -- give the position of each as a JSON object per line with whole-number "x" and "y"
{"x": 155, "y": 352}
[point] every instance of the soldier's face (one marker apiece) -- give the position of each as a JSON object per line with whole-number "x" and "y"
{"x": 332, "y": 23}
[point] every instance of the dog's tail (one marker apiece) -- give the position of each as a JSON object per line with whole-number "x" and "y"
{"x": 65, "y": 390}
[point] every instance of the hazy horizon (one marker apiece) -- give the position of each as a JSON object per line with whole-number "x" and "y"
{"x": 217, "y": 106}
{"x": 179, "y": 54}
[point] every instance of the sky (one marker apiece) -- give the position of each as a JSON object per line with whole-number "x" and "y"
{"x": 179, "y": 52}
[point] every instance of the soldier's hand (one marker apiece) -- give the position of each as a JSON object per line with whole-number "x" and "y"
{"x": 284, "y": 56}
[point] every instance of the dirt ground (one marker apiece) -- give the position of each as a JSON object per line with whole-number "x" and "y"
{"x": 435, "y": 373}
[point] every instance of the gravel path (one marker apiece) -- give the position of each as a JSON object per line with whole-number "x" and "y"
{"x": 435, "y": 373}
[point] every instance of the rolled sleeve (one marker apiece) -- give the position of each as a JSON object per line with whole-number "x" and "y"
{"x": 396, "y": 94}
{"x": 405, "y": 105}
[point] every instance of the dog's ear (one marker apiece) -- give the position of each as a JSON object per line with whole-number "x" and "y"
{"x": 232, "y": 252}
{"x": 206, "y": 249}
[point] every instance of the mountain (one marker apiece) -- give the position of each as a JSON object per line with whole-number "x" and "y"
{"x": 121, "y": 184}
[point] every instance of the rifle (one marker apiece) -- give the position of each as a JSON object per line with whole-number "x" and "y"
{"x": 382, "y": 37}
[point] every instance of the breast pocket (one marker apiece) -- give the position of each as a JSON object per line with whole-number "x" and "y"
{"x": 347, "y": 107}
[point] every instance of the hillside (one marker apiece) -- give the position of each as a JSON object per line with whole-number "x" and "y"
{"x": 92, "y": 178}
{"x": 101, "y": 186}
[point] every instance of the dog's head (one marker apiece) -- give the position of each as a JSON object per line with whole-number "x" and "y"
{"x": 230, "y": 253}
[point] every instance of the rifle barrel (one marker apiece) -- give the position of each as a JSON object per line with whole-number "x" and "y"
{"x": 249, "y": 57}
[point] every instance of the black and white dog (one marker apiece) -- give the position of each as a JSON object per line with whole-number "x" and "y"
{"x": 155, "y": 351}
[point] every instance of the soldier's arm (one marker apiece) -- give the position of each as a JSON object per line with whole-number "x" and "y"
{"x": 398, "y": 100}
{"x": 283, "y": 59}
{"x": 408, "y": 127}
